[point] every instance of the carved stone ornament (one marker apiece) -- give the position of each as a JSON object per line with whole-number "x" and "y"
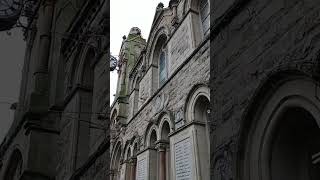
{"x": 162, "y": 101}
{"x": 179, "y": 118}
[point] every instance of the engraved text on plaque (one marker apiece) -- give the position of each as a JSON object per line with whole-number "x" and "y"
{"x": 142, "y": 169}
{"x": 183, "y": 160}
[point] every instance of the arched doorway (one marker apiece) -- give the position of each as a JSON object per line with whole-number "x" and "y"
{"x": 282, "y": 133}
{"x": 295, "y": 142}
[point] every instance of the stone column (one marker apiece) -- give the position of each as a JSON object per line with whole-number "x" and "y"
{"x": 133, "y": 165}
{"x": 39, "y": 100}
{"x": 41, "y": 71}
{"x": 112, "y": 174}
{"x": 161, "y": 147}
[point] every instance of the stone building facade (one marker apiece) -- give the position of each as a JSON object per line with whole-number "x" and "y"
{"x": 159, "y": 116}
{"x": 60, "y": 129}
{"x": 265, "y": 90}
{"x": 251, "y": 111}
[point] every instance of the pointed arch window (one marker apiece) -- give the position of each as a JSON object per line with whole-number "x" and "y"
{"x": 162, "y": 68}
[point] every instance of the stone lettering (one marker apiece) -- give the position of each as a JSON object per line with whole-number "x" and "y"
{"x": 183, "y": 160}
{"x": 142, "y": 169}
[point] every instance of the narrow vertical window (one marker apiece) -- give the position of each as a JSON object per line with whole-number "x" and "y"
{"x": 162, "y": 69}
{"x": 205, "y": 16}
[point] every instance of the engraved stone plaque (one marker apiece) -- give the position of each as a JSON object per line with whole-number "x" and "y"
{"x": 183, "y": 160}
{"x": 142, "y": 169}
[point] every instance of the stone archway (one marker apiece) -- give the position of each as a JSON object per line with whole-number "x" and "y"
{"x": 282, "y": 139}
{"x": 294, "y": 144}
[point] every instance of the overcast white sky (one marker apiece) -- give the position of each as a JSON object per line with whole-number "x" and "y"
{"x": 124, "y": 15}
{"x": 11, "y": 63}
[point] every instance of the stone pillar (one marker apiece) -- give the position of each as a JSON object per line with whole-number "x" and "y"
{"x": 41, "y": 71}
{"x": 113, "y": 174}
{"x": 39, "y": 97}
{"x": 133, "y": 165}
{"x": 42, "y": 132}
{"x": 161, "y": 147}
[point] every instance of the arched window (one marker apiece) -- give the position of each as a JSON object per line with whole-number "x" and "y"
{"x": 160, "y": 63}
{"x": 134, "y": 162}
{"x": 85, "y": 107}
{"x": 164, "y": 152}
{"x": 201, "y": 113}
{"x": 162, "y": 68}
{"x": 198, "y": 111}
{"x": 128, "y": 153}
{"x": 114, "y": 118}
{"x": 135, "y": 93}
{"x": 153, "y": 139}
{"x": 204, "y": 10}
{"x": 116, "y": 166}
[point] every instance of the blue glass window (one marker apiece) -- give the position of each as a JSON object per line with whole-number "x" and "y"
{"x": 162, "y": 69}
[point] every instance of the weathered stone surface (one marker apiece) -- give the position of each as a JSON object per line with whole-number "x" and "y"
{"x": 253, "y": 41}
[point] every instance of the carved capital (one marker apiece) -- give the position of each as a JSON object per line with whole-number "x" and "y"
{"x": 133, "y": 160}
{"x": 162, "y": 145}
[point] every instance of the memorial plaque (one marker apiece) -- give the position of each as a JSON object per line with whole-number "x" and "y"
{"x": 183, "y": 160}
{"x": 142, "y": 169}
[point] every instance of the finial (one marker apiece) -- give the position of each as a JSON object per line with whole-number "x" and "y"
{"x": 160, "y": 6}
{"x": 135, "y": 31}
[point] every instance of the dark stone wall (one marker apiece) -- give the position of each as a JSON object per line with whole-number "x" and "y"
{"x": 251, "y": 41}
